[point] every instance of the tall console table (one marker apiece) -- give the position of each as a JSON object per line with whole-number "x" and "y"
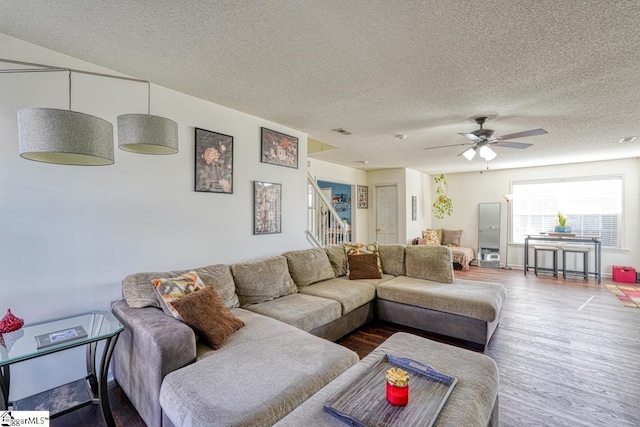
{"x": 557, "y": 237}
{"x": 41, "y": 339}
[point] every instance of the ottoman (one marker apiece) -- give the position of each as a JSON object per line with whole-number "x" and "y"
{"x": 473, "y": 402}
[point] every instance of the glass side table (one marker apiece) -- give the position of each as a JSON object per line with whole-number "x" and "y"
{"x": 49, "y": 337}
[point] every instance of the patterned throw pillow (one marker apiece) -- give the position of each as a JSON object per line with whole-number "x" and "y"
{"x": 171, "y": 289}
{"x": 361, "y": 248}
{"x": 205, "y": 312}
{"x": 431, "y": 237}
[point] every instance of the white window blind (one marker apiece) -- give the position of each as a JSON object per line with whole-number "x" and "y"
{"x": 593, "y": 207}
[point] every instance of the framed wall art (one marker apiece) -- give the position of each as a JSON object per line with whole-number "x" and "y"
{"x": 278, "y": 149}
{"x": 414, "y": 208}
{"x": 214, "y": 162}
{"x": 363, "y": 196}
{"x": 267, "y": 207}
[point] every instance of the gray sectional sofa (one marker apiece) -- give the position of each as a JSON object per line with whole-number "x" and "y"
{"x": 293, "y": 306}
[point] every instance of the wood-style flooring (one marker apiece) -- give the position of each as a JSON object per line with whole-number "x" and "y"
{"x": 568, "y": 354}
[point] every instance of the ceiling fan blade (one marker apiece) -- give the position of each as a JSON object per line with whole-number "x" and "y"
{"x": 511, "y": 144}
{"x": 450, "y": 145}
{"x": 532, "y": 132}
{"x": 471, "y": 137}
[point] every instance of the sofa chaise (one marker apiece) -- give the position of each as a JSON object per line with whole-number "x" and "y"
{"x": 293, "y": 306}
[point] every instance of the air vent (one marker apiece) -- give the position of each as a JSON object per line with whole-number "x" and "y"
{"x": 342, "y": 131}
{"x": 627, "y": 139}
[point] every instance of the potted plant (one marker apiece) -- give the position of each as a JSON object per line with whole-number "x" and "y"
{"x": 443, "y": 204}
{"x": 562, "y": 226}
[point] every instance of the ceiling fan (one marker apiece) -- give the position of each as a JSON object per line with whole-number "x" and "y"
{"x": 483, "y": 139}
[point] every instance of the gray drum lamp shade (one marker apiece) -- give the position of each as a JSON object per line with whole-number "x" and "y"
{"x": 65, "y": 137}
{"x": 147, "y": 134}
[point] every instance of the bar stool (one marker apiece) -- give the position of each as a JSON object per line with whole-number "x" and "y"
{"x": 552, "y": 249}
{"x": 585, "y": 261}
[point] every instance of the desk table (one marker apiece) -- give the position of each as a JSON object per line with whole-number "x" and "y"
{"x": 582, "y": 240}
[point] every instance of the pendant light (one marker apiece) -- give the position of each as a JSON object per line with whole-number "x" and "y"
{"x": 147, "y": 134}
{"x": 64, "y": 137}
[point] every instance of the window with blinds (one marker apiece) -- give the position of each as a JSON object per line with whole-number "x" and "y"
{"x": 593, "y": 207}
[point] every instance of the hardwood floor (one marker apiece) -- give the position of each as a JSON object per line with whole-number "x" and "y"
{"x": 568, "y": 354}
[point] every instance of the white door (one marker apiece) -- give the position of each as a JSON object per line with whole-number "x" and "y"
{"x": 387, "y": 214}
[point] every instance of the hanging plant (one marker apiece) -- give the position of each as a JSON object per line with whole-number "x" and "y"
{"x": 443, "y": 204}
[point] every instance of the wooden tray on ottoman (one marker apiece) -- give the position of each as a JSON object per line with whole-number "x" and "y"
{"x": 363, "y": 402}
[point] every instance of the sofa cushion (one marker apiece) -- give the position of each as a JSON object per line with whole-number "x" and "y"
{"x": 451, "y": 237}
{"x": 429, "y": 263}
{"x": 392, "y": 259}
{"x": 205, "y": 312}
{"x": 139, "y": 292}
{"x": 351, "y": 294}
{"x": 478, "y": 300}
{"x": 219, "y": 276}
{"x": 271, "y": 367}
{"x": 363, "y": 266}
{"x": 306, "y": 312}
{"x": 262, "y": 280}
{"x": 338, "y": 259}
{"x": 171, "y": 289}
{"x": 309, "y": 266}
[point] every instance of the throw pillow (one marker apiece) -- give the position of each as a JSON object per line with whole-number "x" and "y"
{"x": 361, "y": 248}
{"x": 431, "y": 237}
{"x": 207, "y": 315}
{"x": 451, "y": 237}
{"x": 171, "y": 289}
{"x": 338, "y": 259}
{"x": 363, "y": 266}
{"x": 438, "y": 233}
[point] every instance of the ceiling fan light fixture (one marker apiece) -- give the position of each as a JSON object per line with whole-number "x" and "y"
{"x": 470, "y": 153}
{"x": 487, "y": 153}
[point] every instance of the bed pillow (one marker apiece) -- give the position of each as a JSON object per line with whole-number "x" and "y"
{"x": 205, "y": 312}
{"x": 451, "y": 237}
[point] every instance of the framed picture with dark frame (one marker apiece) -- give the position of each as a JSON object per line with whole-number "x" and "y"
{"x": 363, "y": 196}
{"x": 214, "y": 162}
{"x": 267, "y": 207}
{"x": 278, "y": 149}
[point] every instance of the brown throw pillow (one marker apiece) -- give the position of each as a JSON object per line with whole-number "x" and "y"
{"x": 206, "y": 314}
{"x": 364, "y": 266}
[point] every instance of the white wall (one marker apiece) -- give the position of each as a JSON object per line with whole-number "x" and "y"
{"x": 467, "y": 190}
{"x": 69, "y": 234}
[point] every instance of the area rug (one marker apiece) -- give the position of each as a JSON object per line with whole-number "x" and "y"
{"x": 628, "y": 295}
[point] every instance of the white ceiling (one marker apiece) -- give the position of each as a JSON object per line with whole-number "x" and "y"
{"x": 379, "y": 68}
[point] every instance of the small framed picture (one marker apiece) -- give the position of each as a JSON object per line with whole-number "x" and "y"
{"x": 363, "y": 197}
{"x": 267, "y": 207}
{"x": 278, "y": 149}
{"x": 214, "y": 162}
{"x": 414, "y": 208}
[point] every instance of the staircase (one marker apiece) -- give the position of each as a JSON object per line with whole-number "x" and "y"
{"x": 324, "y": 225}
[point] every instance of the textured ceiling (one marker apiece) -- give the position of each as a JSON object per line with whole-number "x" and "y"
{"x": 379, "y": 68}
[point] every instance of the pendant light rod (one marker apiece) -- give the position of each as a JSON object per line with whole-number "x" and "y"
{"x": 49, "y": 68}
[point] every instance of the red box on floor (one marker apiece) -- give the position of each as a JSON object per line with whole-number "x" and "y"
{"x": 624, "y": 274}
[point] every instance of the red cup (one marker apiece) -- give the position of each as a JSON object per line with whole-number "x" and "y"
{"x": 398, "y": 396}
